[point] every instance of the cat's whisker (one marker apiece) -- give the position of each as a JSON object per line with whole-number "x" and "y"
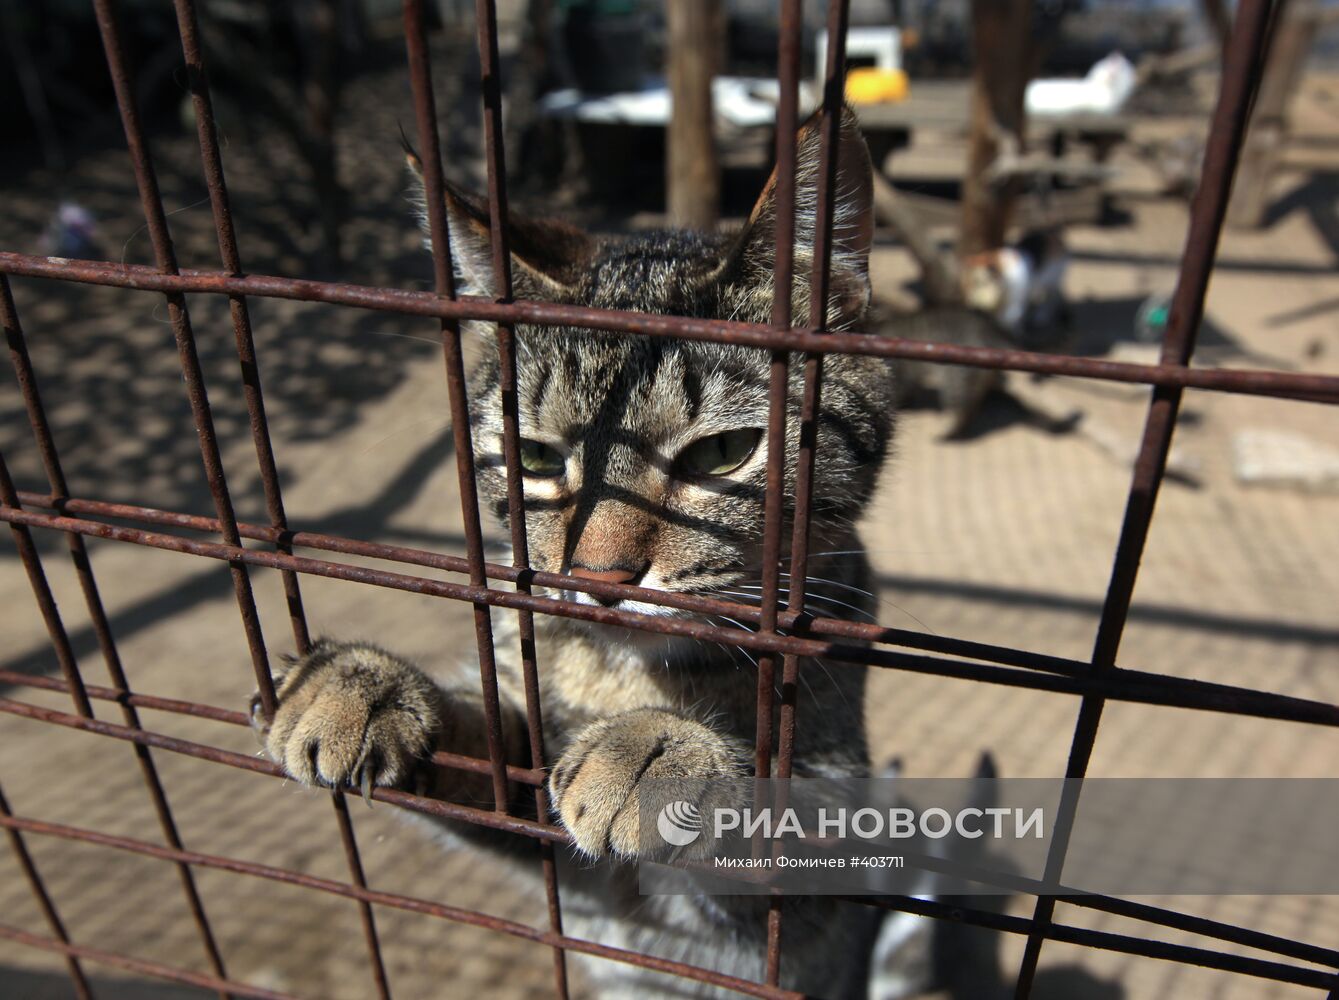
{"x": 736, "y": 593}
{"x": 882, "y": 601}
{"x": 405, "y": 336}
{"x": 835, "y": 686}
{"x": 830, "y": 600}
{"x": 813, "y": 698}
{"x": 843, "y": 604}
{"x": 400, "y": 430}
{"x": 835, "y": 583}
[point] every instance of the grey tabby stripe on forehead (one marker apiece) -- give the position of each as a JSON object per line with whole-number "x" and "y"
{"x": 692, "y": 392}
{"x": 540, "y": 386}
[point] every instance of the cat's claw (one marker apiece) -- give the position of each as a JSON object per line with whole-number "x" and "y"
{"x": 365, "y": 786}
{"x": 350, "y": 715}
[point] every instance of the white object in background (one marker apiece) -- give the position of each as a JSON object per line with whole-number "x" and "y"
{"x": 884, "y": 45}
{"x": 998, "y": 282}
{"x": 1103, "y": 91}
{"x": 741, "y": 101}
{"x": 1267, "y": 457}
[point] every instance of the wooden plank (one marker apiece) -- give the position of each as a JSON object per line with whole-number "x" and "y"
{"x": 692, "y": 171}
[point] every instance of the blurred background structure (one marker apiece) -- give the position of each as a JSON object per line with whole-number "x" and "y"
{"x": 1034, "y": 162}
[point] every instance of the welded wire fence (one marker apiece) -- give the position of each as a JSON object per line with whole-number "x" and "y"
{"x": 780, "y": 636}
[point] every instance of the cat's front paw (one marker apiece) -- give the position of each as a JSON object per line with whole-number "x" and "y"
{"x": 594, "y": 787}
{"x": 350, "y": 714}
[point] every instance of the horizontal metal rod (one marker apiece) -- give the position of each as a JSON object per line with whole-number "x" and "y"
{"x": 1208, "y": 928}
{"x": 610, "y": 591}
{"x": 1020, "y": 925}
{"x": 456, "y": 761}
{"x": 189, "y": 748}
{"x": 1108, "y": 904}
{"x": 935, "y": 909}
{"x": 139, "y": 965}
{"x": 1116, "y": 684}
{"x": 1292, "y": 385}
{"x": 412, "y": 904}
{"x": 1106, "y": 941}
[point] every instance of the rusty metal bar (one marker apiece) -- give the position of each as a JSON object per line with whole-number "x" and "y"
{"x": 1119, "y": 684}
{"x": 212, "y": 161}
{"x": 174, "y": 705}
{"x": 73, "y": 952}
{"x": 1244, "y": 60}
{"x": 778, "y": 406}
{"x": 39, "y": 890}
{"x": 485, "y": 13}
{"x": 836, "y": 627}
{"x": 1286, "y": 385}
{"x": 778, "y": 385}
{"x": 409, "y": 903}
{"x": 1120, "y": 907}
{"x": 46, "y": 444}
{"x": 1105, "y": 940}
{"x": 460, "y": 762}
{"x": 165, "y": 256}
{"x": 930, "y": 908}
{"x": 819, "y": 279}
{"x": 425, "y": 113}
{"x": 432, "y": 807}
{"x": 230, "y": 256}
{"x": 46, "y": 602}
{"x": 1207, "y": 928}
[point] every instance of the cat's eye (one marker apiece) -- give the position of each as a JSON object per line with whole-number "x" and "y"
{"x": 539, "y": 459}
{"x": 719, "y": 454}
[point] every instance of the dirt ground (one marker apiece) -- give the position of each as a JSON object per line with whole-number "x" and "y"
{"x": 1005, "y": 537}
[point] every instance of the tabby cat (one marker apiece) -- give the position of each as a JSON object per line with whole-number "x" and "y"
{"x": 644, "y": 463}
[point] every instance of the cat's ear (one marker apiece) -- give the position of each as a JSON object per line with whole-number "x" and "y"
{"x": 547, "y": 257}
{"x": 754, "y": 255}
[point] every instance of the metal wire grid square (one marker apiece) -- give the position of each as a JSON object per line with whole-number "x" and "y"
{"x": 779, "y": 636}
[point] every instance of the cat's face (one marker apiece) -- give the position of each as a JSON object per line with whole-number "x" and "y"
{"x": 645, "y": 458}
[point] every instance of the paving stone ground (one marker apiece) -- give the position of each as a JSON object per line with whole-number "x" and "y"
{"x": 1004, "y": 538}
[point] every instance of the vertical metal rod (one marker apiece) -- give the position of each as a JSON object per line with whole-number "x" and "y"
{"x": 46, "y": 445}
{"x": 425, "y": 113}
{"x": 495, "y": 159}
{"x": 80, "y": 982}
{"x": 46, "y": 601}
{"x": 1241, "y": 74}
{"x": 838, "y": 11}
{"x": 774, "y": 513}
{"x": 165, "y": 256}
{"x": 838, "y": 16}
{"x": 778, "y": 405}
{"x": 212, "y": 161}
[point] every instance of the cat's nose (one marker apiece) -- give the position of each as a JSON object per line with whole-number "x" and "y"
{"x": 616, "y": 574}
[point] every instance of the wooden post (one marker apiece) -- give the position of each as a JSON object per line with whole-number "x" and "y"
{"x": 691, "y": 173}
{"x": 1295, "y": 28}
{"x": 1003, "y": 61}
{"x": 321, "y": 81}
{"x": 1220, "y": 23}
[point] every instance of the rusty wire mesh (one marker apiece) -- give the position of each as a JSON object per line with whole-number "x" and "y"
{"x": 779, "y": 636}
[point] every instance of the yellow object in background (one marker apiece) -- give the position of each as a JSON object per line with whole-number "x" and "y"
{"x": 869, "y": 85}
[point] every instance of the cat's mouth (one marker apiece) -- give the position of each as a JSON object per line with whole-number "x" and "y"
{"x": 645, "y": 580}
